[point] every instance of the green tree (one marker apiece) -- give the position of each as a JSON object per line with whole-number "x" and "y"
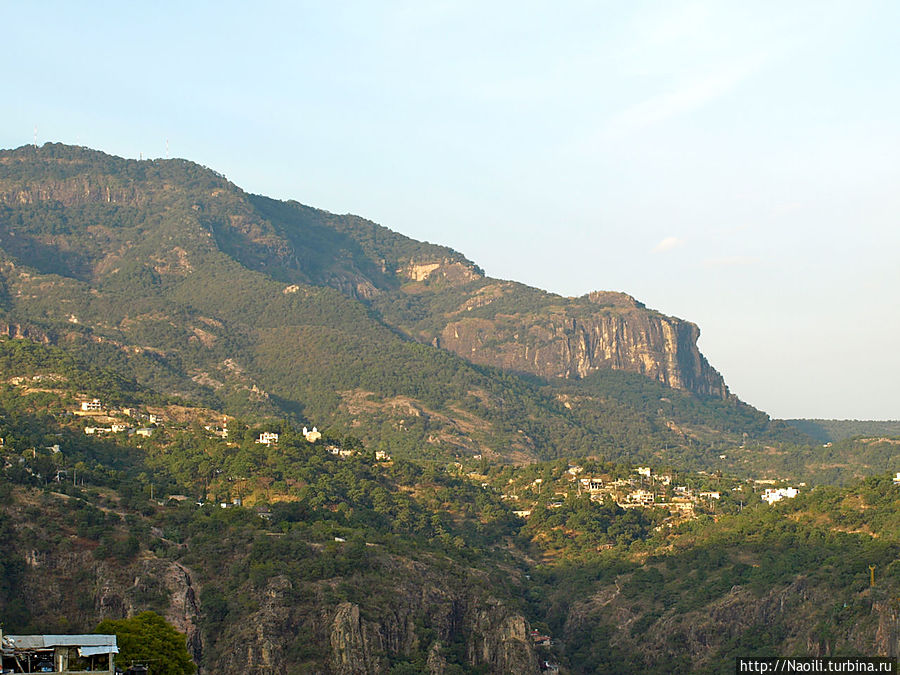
{"x": 148, "y": 638}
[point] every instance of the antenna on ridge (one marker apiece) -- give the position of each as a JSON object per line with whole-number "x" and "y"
{"x": 35, "y": 135}
{"x": 167, "y": 148}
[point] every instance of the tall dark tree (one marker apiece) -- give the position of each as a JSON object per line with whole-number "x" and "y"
{"x": 147, "y": 638}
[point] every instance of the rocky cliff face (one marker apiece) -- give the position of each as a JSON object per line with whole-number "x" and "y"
{"x": 423, "y": 614}
{"x": 77, "y": 590}
{"x": 415, "y": 613}
{"x": 496, "y": 638}
{"x": 18, "y": 330}
{"x": 572, "y": 342}
{"x": 801, "y": 614}
{"x": 449, "y": 271}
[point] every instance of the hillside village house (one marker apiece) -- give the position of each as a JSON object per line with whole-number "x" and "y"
{"x": 340, "y": 452}
{"x": 267, "y": 438}
{"x": 640, "y": 497}
{"x": 772, "y": 495}
{"x": 91, "y": 406}
{"x": 592, "y": 484}
{"x": 311, "y": 436}
{"x": 220, "y": 431}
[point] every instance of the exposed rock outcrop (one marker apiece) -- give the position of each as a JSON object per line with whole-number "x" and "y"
{"x": 422, "y": 613}
{"x": 22, "y": 331}
{"x": 80, "y": 590}
{"x": 795, "y": 612}
{"x": 495, "y": 637}
{"x": 559, "y": 345}
{"x": 500, "y": 641}
{"x": 453, "y": 272}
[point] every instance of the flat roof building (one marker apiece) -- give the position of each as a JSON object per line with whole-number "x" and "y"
{"x": 34, "y": 653}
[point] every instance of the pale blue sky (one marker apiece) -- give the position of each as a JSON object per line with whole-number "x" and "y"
{"x": 731, "y": 163}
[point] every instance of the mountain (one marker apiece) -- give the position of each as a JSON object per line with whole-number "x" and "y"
{"x": 168, "y": 273}
{"x": 838, "y": 430}
{"x": 161, "y": 289}
{"x": 430, "y": 292}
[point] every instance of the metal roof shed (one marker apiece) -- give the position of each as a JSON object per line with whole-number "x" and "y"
{"x": 27, "y": 650}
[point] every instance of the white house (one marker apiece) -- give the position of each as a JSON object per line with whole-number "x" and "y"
{"x": 642, "y": 497}
{"x": 772, "y": 495}
{"x": 592, "y": 484}
{"x": 267, "y": 438}
{"x": 91, "y": 406}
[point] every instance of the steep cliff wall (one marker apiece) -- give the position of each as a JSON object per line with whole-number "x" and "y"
{"x": 74, "y": 589}
{"x": 799, "y": 617}
{"x": 560, "y": 345}
{"x": 421, "y": 614}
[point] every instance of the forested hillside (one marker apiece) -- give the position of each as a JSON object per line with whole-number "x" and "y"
{"x": 167, "y": 274}
{"x": 318, "y": 556}
{"x": 315, "y": 445}
{"x": 839, "y": 430}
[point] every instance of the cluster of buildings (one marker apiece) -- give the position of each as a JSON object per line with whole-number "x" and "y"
{"x": 271, "y": 438}
{"x": 643, "y": 489}
{"x": 119, "y": 428}
{"x": 96, "y": 408}
{"x": 380, "y": 455}
{"x": 313, "y": 435}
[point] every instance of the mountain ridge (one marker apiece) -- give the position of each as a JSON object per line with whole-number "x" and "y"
{"x": 370, "y": 260}
{"x": 217, "y": 294}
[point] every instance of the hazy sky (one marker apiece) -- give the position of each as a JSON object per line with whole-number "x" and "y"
{"x": 731, "y": 163}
